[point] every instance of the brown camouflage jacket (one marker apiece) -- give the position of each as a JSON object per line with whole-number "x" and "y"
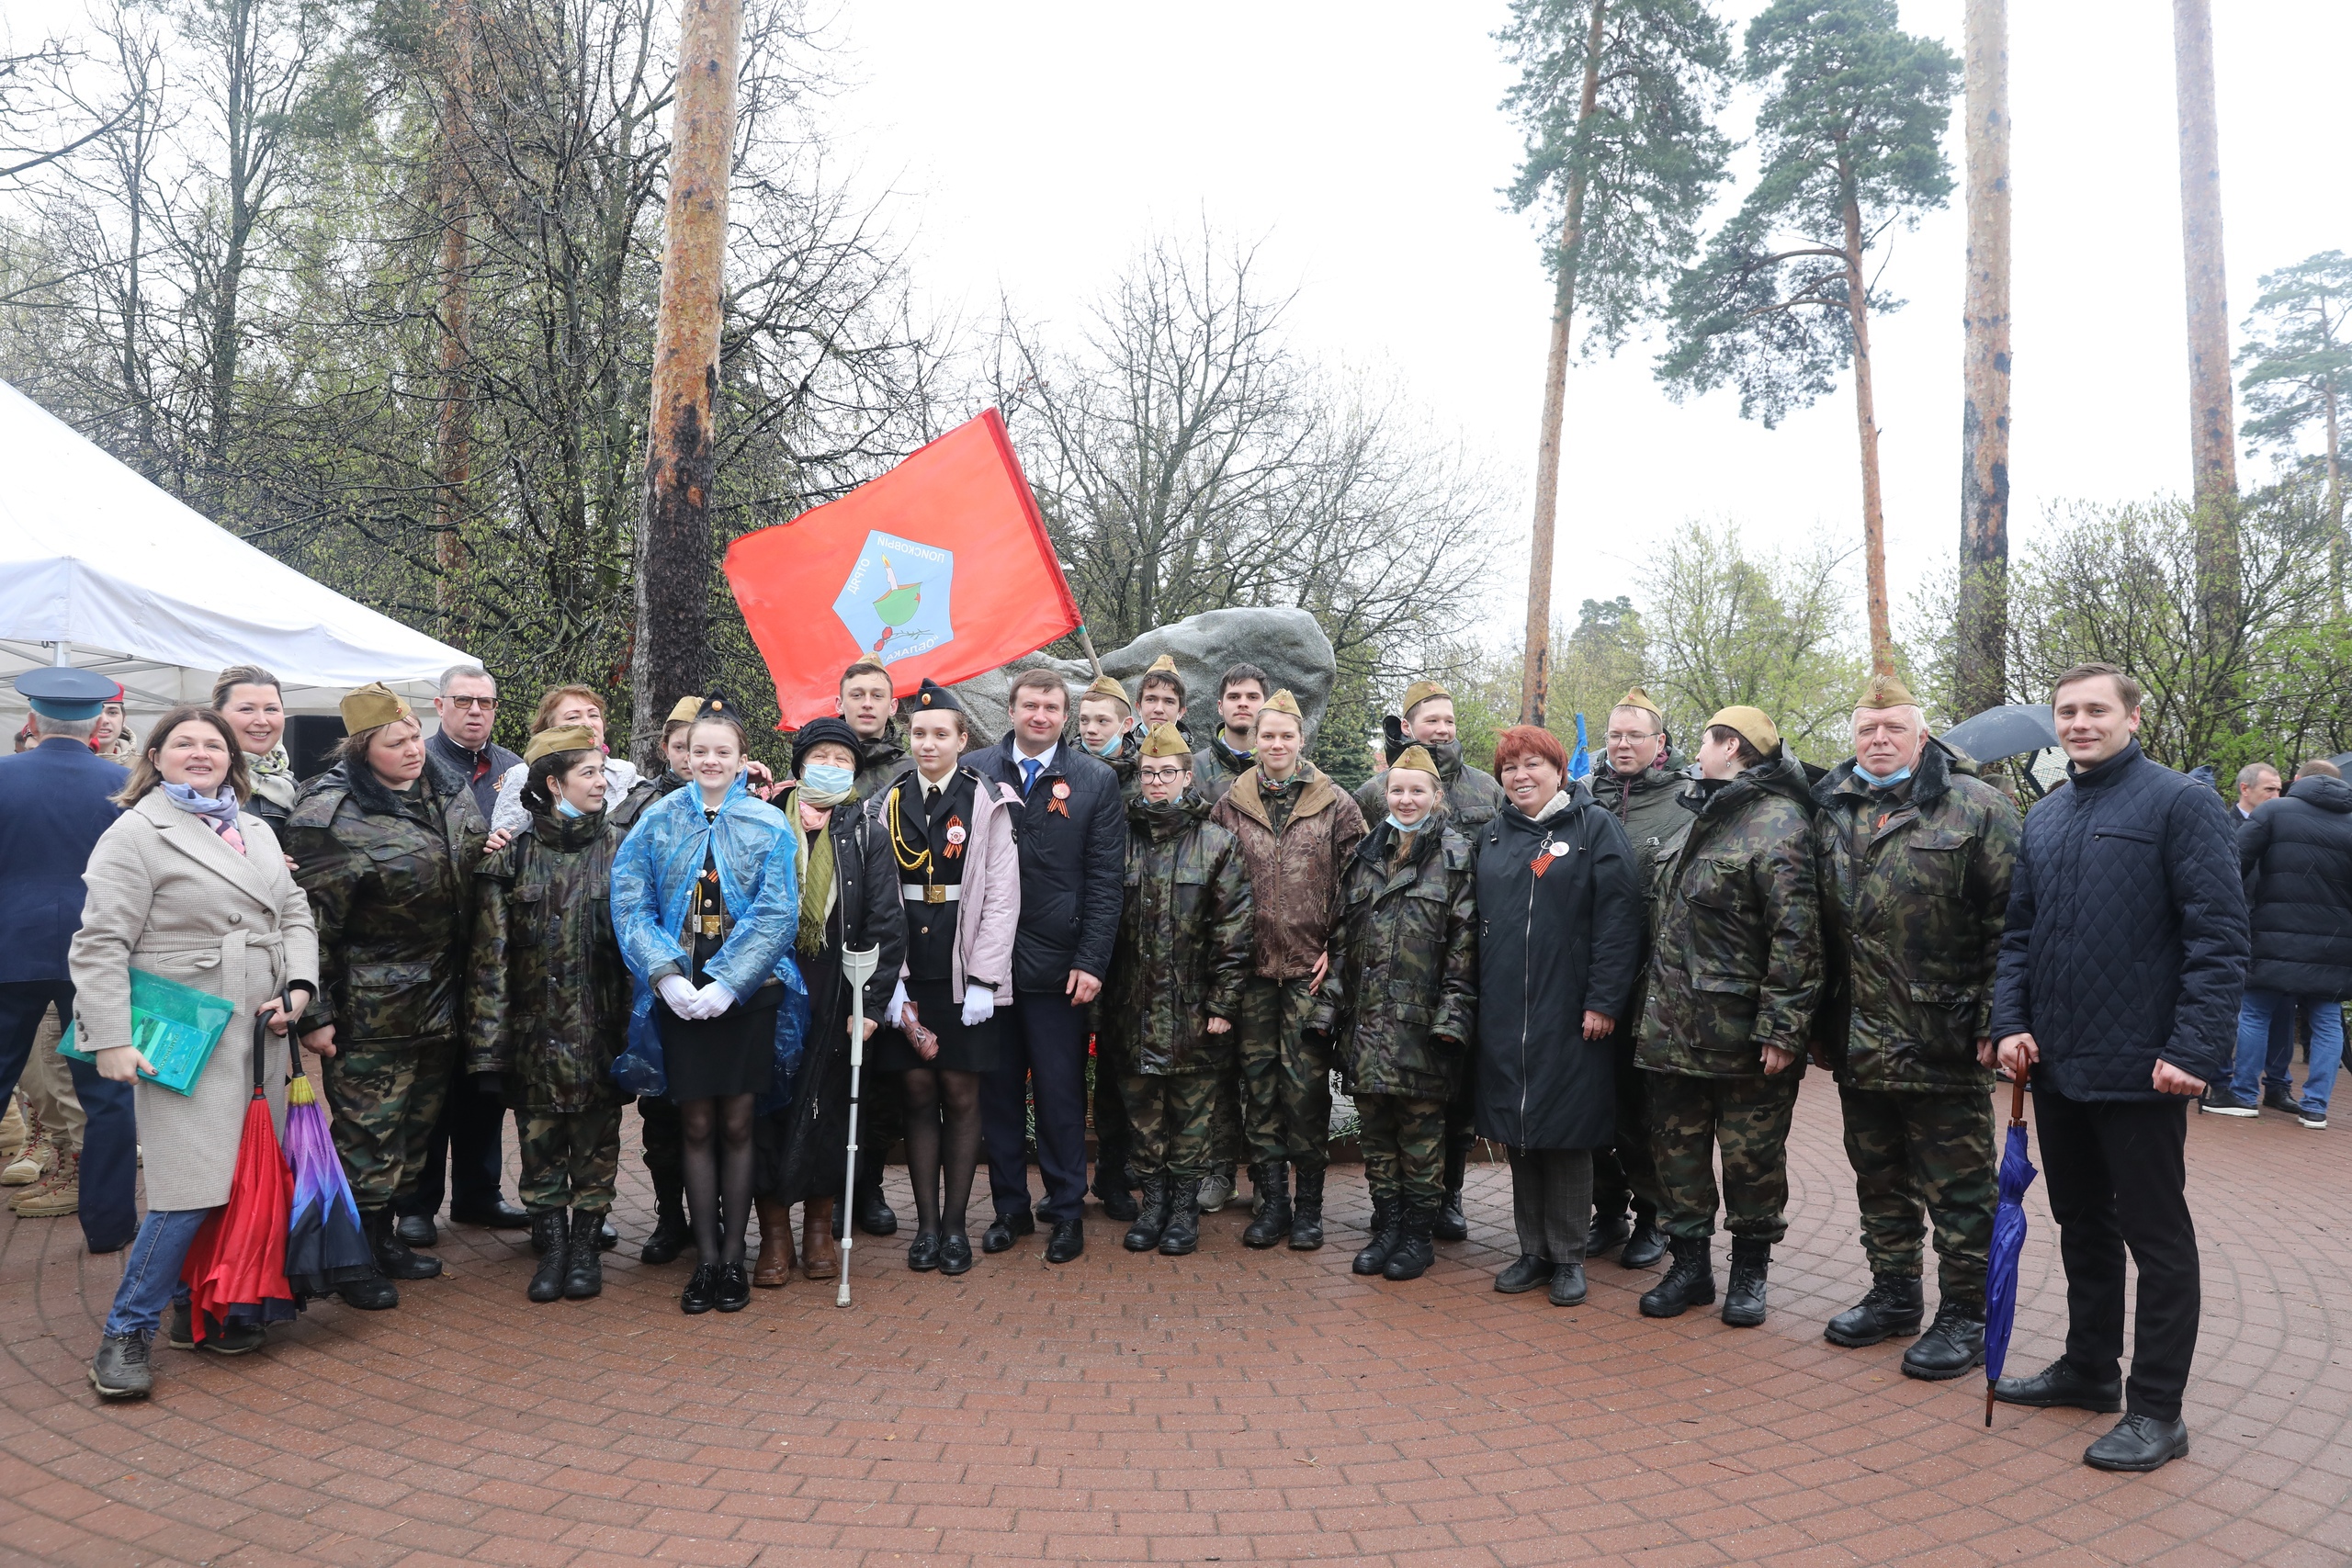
{"x": 1915, "y": 887}
{"x": 1737, "y": 965}
{"x": 1401, "y": 1001}
{"x": 1294, "y": 869}
{"x": 548, "y": 996}
{"x": 1183, "y": 947}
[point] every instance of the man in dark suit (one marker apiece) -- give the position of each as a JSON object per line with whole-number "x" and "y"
{"x": 56, "y": 802}
{"x": 1071, "y": 828}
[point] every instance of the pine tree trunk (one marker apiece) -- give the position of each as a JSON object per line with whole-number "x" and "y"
{"x": 2213, "y": 437}
{"x": 674, "y": 541}
{"x": 453, "y": 438}
{"x": 1982, "y": 636}
{"x": 1866, "y": 423}
{"x": 1536, "y": 679}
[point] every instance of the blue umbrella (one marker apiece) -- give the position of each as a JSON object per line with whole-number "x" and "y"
{"x": 1580, "y": 761}
{"x": 2009, "y": 1241}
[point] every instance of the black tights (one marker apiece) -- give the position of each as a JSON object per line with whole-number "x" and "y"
{"x": 957, "y": 1123}
{"x": 718, "y": 1174}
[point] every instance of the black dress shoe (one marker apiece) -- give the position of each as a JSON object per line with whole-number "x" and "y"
{"x": 1068, "y": 1241}
{"x": 416, "y": 1229}
{"x": 1568, "y": 1285}
{"x": 1526, "y": 1274}
{"x": 954, "y": 1253}
{"x": 701, "y": 1294}
{"x": 922, "y": 1253}
{"x": 2281, "y": 1100}
{"x": 1006, "y": 1229}
{"x": 2059, "y": 1384}
{"x": 501, "y": 1215}
{"x": 734, "y": 1291}
{"x": 1953, "y": 1347}
{"x": 2139, "y": 1443}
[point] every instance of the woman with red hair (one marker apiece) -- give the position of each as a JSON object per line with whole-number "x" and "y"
{"x": 1559, "y": 949}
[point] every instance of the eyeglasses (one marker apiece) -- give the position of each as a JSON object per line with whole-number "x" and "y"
{"x": 1161, "y": 774}
{"x": 1628, "y": 736}
{"x": 483, "y": 702}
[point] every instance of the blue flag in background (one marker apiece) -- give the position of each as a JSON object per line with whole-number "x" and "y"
{"x": 1580, "y": 759}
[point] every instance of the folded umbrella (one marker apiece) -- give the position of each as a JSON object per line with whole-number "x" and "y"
{"x": 325, "y": 1245}
{"x": 235, "y": 1271}
{"x": 2009, "y": 1241}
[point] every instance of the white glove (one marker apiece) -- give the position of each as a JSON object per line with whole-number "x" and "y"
{"x": 679, "y": 992}
{"x": 898, "y": 1003}
{"x": 979, "y": 1005}
{"x": 712, "y": 1000}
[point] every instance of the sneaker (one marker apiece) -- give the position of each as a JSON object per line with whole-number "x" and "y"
{"x": 2315, "y": 1119}
{"x": 2221, "y": 1102}
{"x": 56, "y": 1195}
{"x": 1216, "y": 1192}
{"x": 123, "y": 1368}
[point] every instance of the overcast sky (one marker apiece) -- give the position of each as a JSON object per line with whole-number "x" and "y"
{"x": 1033, "y": 146}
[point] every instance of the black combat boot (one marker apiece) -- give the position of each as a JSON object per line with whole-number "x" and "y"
{"x": 1151, "y": 1218}
{"x": 1743, "y": 1298}
{"x": 1453, "y": 1224}
{"x": 1306, "y": 1221}
{"x": 1272, "y": 1182}
{"x": 671, "y": 1232}
{"x": 1387, "y": 1229}
{"x": 1955, "y": 1344}
{"x": 1646, "y": 1245}
{"x": 1892, "y": 1308}
{"x": 585, "y": 1276}
{"x": 551, "y": 1239}
{"x": 1111, "y": 1185}
{"x": 1413, "y": 1254}
{"x": 1691, "y": 1283}
{"x": 375, "y": 1293}
{"x": 392, "y": 1255}
{"x": 1607, "y": 1233}
{"x": 1183, "y": 1233}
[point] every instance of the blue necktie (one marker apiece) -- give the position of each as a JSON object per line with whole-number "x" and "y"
{"x": 1029, "y": 766}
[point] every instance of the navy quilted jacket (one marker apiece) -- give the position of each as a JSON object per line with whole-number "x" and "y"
{"x": 2297, "y": 852}
{"x": 2126, "y": 939}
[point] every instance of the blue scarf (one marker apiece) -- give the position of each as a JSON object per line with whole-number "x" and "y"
{"x": 219, "y": 811}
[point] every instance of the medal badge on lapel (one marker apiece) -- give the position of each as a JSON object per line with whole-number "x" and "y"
{"x": 1059, "y": 805}
{"x": 1555, "y": 850}
{"x": 956, "y": 836}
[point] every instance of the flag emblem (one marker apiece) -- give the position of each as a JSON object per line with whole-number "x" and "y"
{"x": 897, "y": 599}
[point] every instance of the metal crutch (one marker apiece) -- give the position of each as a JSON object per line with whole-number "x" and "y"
{"x": 857, "y": 967}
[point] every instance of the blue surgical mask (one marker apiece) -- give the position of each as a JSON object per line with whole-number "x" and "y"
{"x": 1404, "y": 828}
{"x": 1109, "y": 748}
{"x": 1887, "y": 783}
{"x": 828, "y": 778}
{"x": 565, "y": 809}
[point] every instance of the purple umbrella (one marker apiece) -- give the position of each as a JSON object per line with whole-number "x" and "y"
{"x": 325, "y": 1245}
{"x": 2009, "y": 1241}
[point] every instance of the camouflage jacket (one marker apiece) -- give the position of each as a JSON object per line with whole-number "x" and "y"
{"x": 1645, "y": 807}
{"x": 1737, "y": 965}
{"x": 1215, "y": 766}
{"x": 1471, "y": 798}
{"x": 1401, "y": 1001}
{"x": 879, "y": 761}
{"x": 1914, "y": 888}
{"x": 1183, "y": 947}
{"x": 546, "y": 995}
{"x": 1294, "y": 870}
{"x": 388, "y": 877}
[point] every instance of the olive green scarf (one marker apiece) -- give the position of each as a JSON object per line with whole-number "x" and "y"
{"x": 816, "y": 867}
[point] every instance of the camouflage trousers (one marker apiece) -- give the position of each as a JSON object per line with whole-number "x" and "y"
{"x": 1925, "y": 1150}
{"x": 1747, "y": 1120}
{"x": 385, "y": 1097}
{"x": 1285, "y": 1076}
{"x": 1404, "y": 1147}
{"x": 664, "y": 1138}
{"x": 1169, "y": 1117}
{"x": 571, "y": 1159}
{"x": 1227, "y": 1146}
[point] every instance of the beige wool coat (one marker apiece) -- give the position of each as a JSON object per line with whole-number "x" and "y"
{"x": 168, "y": 894}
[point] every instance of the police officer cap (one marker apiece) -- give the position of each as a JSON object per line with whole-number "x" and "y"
{"x": 936, "y": 698}
{"x": 67, "y": 694}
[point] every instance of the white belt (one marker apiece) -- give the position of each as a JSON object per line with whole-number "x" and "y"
{"x": 917, "y": 893}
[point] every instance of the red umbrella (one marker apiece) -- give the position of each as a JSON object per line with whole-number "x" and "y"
{"x": 236, "y": 1267}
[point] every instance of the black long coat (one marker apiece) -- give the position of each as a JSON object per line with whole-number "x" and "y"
{"x": 1550, "y": 947}
{"x": 2297, "y": 856}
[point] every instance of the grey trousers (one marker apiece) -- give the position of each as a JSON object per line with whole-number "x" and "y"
{"x": 1551, "y": 1201}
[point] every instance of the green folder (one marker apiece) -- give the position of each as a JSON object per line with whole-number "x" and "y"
{"x": 174, "y": 1026}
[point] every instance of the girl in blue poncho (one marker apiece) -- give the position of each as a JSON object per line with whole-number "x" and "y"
{"x": 706, "y": 902}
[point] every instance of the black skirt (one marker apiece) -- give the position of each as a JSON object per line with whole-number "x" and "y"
{"x": 961, "y": 1050}
{"x": 710, "y": 1058}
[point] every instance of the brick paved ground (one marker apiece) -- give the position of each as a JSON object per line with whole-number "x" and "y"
{"x": 1232, "y": 1406}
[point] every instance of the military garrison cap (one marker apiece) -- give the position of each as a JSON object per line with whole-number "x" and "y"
{"x": 1420, "y": 691}
{"x": 1283, "y": 701}
{"x": 1418, "y": 760}
{"x": 685, "y": 710}
{"x": 1752, "y": 725}
{"x": 1886, "y": 692}
{"x": 372, "y": 706}
{"x": 1165, "y": 740}
{"x": 563, "y": 738}
{"x": 1636, "y": 697}
{"x": 1104, "y": 686}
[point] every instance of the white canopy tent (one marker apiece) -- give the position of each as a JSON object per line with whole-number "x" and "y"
{"x": 100, "y": 568}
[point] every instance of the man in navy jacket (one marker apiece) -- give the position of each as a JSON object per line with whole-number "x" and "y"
{"x": 2121, "y": 969}
{"x": 1072, "y": 828}
{"x": 56, "y": 802}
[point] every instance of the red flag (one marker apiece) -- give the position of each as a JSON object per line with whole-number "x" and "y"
{"x": 941, "y": 567}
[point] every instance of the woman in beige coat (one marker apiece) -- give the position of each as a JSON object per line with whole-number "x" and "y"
{"x": 187, "y": 885}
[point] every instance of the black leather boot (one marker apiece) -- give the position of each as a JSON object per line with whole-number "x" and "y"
{"x": 1744, "y": 1297}
{"x": 585, "y": 1276}
{"x": 1953, "y": 1346}
{"x": 1413, "y": 1254}
{"x": 1117, "y": 1198}
{"x": 1607, "y": 1233}
{"x": 1386, "y": 1231}
{"x": 1272, "y": 1182}
{"x": 1691, "y": 1283}
{"x": 671, "y": 1232}
{"x": 1306, "y": 1219}
{"x": 1453, "y": 1224}
{"x": 551, "y": 1240}
{"x": 875, "y": 1215}
{"x": 1182, "y": 1236}
{"x": 1893, "y": 1307}
{"x": 1151, "y": 1217}
{"x": 392, "y": 1255}
{"x": 1646, "y": 1245}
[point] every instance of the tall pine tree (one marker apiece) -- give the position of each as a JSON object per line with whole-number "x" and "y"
{"x": 2298, "y": 365}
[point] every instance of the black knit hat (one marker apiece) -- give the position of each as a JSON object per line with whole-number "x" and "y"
{"x": 934, "y": 698}
{"x": 817, "y": 732}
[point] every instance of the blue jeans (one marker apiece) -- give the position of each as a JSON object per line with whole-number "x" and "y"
{"x": 2256, "y": 1014}
{"x": 150, "y": 1273}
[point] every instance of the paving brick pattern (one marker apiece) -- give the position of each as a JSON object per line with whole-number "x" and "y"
{"x": 1232, "y": 1406}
